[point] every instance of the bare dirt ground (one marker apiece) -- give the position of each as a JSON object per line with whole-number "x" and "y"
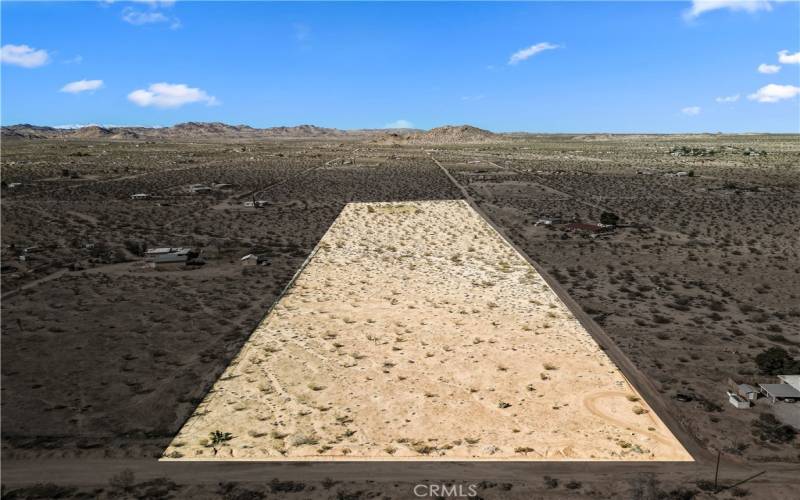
{"x": 703, "y": 280}
{"x": 415, "y": 331}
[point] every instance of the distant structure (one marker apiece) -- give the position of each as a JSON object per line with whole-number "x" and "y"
{"x": 742, "y": 396}
{"x": 787, "y": 391}
{"x": 780, "y": 392}
{"x": 168, "y": 257}
{"x": 548, "y": 221}
{"x": 140, "y": 196}
{"x": 253, "y": 260}
{"x": 249, "y": 260}
{"x": 199, "y": 189}
{"x": 745, "y": 395}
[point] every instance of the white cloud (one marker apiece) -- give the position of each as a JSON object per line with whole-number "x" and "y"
{"x": 399, "y": 124}
{"x": 784, "y": 57}
{"x": 157, "y": 3}
{"x": 170, "y": 95}
{"x": 691, "y": 110}
{"x": 531, "y": 51}
{"x": 700, "y": 7}
{"x": 768, "y": 69}
{"x": 75, "y": 60}
{"x": 22, "y": 55}
{"x": 730, "y": 98}
{"x": 82, "y": 86}
{"x": 151, "y": 16}
{"x": 774, "y": 93}
{"x": 138, "y": 18}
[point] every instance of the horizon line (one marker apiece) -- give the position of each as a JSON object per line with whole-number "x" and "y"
{"x": 378, "y": 129}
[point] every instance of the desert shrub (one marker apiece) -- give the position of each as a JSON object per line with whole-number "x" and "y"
{"x": 573, "y": 485}
{"x": 609, "y": 218}
{"x": 157, "y": 488}
{"x": 550, "y": 482}
{"x": 647, "y": 487}
{"x": 301, "y": 439}
{"x": 218, "y": 438}
{"x": 775, "y": 361}
{"x": 123, "y": 480}
{"x": 329, "y": 483}
{"x": 770, "y": 429}
{"x": 136, "y": 247}
{"x": 43, "y": 491}
{"x": 661, "y": 320}
{"x": 277, "y": 486}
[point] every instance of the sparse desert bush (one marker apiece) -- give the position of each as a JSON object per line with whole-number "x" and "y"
{"x": 422, "y": 448}
{"x": 770, "y": 429}
{"x": 775, "y": 361}
{"x": 304, "y": 439}
{"x": 123, "y": 480}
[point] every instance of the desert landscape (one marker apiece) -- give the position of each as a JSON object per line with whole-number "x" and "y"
{"x": 107, "y": 356}
{"x": 416, "y": 331}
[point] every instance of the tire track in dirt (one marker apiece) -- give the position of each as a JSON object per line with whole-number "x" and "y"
{"x": 590, "y": 403}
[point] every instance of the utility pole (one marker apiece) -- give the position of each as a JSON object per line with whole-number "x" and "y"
{"x": 716, "y": 472}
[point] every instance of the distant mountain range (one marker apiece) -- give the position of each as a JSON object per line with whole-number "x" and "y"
{"x": 217, "y": 131}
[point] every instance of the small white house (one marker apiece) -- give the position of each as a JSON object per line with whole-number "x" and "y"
{"x": 140, "y": 196}
{"x": 738, "y": 401}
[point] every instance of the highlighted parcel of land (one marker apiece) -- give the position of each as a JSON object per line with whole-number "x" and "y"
{"x": 416, "y": 332}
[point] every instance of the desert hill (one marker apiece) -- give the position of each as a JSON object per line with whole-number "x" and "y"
{"x": 192, "y": 131}
{"x": 447, "y": 134}
{"x": 181, "y": 131}
{"x": 454, "y": 134}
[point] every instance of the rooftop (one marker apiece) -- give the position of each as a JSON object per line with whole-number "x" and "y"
{"x": 780, "y": 390}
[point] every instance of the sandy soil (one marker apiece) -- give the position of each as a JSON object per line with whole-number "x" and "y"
{"x": 416, "y": 332}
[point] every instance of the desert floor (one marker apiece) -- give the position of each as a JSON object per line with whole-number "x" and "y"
{"x": 415, "y": 331}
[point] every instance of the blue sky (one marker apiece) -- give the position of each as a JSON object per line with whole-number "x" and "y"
{"x": 596, "y": 66}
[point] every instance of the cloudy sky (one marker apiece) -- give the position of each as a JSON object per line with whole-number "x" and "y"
{"x": 714, "y": 65}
